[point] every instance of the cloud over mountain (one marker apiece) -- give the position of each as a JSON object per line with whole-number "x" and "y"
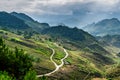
{"x": 79, "y": 10}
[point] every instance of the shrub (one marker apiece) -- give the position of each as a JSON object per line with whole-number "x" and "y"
{"x": 5, "y": 76}
{"x": 16, "y": 63}
{"x": 30, "y": 75}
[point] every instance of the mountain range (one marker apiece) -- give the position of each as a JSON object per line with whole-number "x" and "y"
{"x": 20, "y": 21}
{"x": 30, "y": 22}
{"x": 104, "y": 27}
{"x": 89, "y": 57}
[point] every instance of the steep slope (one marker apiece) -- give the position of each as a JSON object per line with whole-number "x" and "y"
{"x": 111, "y": 43}
{"x": 70, "y": 35}
{"x": 87, "y": 58}
{"x": 77, "y": 39}
{"x": 35, "y": 48}
{"x": 104, "y": 27}
{"x": 111, "y": 40}
{"x": 41, "y": 55}
{"x": 30, "y": 22}
{"x": 11, "y": 22}
{"x": 79, "y": 65}
{"x": 114, "y": 73}
{"x": 22, "y": 16}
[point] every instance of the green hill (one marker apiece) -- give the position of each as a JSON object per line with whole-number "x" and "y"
{"x": 73, "y": 36}
{"x": 35, "y": 25}
{"x": 11, "y": 22}
{"x": 88, "y": 57}
{"x": 77, "y": 39}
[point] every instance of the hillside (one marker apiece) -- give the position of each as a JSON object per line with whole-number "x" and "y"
{"x": 31, "y": 22}
{"x": 82, "y": 56}
{"x": 11, "y": 22}
{"x": 79, "y": 62}
{"x": 70, "y": 35}
{"x": 111, "y": 39}
{"x": 111, "y": 43}
{"x": 104, "y": 27}
{"x": 77, "y": 39}
{"x": 37, "y": 48}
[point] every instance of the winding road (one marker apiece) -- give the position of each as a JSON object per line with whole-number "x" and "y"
{"x": 57, "y": 67}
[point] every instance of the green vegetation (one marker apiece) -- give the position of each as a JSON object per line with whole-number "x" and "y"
{"x": 36, "y": 26}
{"x": 88, "y": 58}
{"x": 59, "y": 53}
{"x": 5, "y": 76}
{"x": 30, "y": 75}
{"x": 114, "y": 40}
{"x": 71, "y": 36}
{"x": 16, "y": 63}
{"x": 11, "y": 22}
{"x": 34, "y": 47}
{"x": 114, "y": 72}
{"x": 80, "y": 62}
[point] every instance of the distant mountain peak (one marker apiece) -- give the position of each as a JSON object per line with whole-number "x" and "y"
{"x": 109, "y": 21}
{"x": 104, "y": 27}
{"x": 115, "y": 19}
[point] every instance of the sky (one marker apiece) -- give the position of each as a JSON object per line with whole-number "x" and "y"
{"x": 69, "y": 12}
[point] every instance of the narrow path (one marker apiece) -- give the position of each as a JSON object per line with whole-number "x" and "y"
{"x": 57, "y": 66}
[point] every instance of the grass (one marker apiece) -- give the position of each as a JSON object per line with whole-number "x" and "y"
{"x": 41, "y": 53}
{"x": 59, "y": 52}
{"x": 83, "y": 65}
{"x": 37, "y": 51}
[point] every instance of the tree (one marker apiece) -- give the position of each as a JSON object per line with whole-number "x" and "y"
{"x": 30, "y": 75}
{"x": 43, "y": 78}
{"x": 16, "y": 63}
{"x": 5, "y": 76}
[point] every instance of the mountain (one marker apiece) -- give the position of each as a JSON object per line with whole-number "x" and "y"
{"x": 78, "y": 54}
{"x": 11, "y": 22}
{"x": 104, "y": 27}
{"x": 111, "y": 42}
{"x": 77, "y": 39}
{"x": 22, "y": 16}
{"x": 89, "y": 58}
{"x": 70, "y": 35}
{"x": 31, "y": 22}
{"x": 111, "y": 39}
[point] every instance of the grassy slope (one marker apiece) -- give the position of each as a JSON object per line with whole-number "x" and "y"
{"x": 76, "y": 65}
{"x": 59, "y": 53}
{"x": 37, "y": 50}
{"x": 114, "y": 70}
{"x": 77, "y": 68}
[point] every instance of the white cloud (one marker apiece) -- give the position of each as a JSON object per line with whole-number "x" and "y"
{"x": 56, "y": 6}
{"x": 79, "y": 9}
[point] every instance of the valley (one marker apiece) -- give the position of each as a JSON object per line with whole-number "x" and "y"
{"x": 58, "y": 52}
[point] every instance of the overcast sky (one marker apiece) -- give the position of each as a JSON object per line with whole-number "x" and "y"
{"x": 71, "y": 12}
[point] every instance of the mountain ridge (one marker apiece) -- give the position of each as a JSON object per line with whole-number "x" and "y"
{"x": 9, "y": 21}
{"x": 104, "y": 27}
{"x": 87, "y": 56}
{"x": 37, "y": 26}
